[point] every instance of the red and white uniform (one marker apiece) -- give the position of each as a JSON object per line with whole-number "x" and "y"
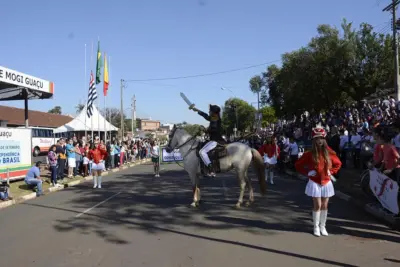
{"x": 319, "y": 183}
{"x": 97, "y": 156}
{"x": 269, "y": 151}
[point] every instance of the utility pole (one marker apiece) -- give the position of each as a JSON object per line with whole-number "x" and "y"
{"x": 122, "y": 109}
{"x": 133, "y": 123}
{"x": 258, "y": 109}
{"x": 392, "y": 7}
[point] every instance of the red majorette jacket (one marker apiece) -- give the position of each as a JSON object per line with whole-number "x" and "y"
{"x": 306, "y": 164}
{"x": 269, "y": 149}
{"x": 97, "y": 155}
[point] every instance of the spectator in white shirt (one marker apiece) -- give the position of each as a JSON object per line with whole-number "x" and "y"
{"x": 293, "y": 151}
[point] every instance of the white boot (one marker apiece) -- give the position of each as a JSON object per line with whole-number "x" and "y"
{"x": 271, "y": 177}
{"x": 94, "y": 182}
{"x": 99, "y": 181}
{"x": 322, "y": 225}
{"x": 316, "y": 217}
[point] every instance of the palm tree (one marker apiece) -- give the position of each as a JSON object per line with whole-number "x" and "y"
{"x": 256, "y": 83}
{"x": 79, "y": 108}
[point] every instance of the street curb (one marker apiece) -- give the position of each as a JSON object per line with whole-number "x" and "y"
{"x": 371, "y": 208}
{"x": 5, "y": 204}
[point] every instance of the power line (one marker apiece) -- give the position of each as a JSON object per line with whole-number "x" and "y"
{"x": 203, "y": 74}
{"x": 382, "y": 30}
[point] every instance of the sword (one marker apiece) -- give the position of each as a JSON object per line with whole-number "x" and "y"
{"x": 190, "y": 104}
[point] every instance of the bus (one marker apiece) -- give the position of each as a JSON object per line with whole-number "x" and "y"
{"x": 43, "y": 138}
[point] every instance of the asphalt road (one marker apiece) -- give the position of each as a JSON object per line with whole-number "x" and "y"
{"x": 138, "y": 220}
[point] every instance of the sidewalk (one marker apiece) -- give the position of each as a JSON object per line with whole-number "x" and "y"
{"x": 348, "y": 189}
{"x": 21, "y": 192}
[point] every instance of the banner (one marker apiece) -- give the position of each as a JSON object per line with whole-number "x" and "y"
{"x": 20, "y": 79}
{"x": 385, "y": 190}
{"x": 15, "y": 152}
{"x": 173, "y": 157}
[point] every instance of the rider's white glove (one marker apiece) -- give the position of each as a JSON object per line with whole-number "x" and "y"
{"x": 329, "y": 173}
{"x": 312, "y": 173}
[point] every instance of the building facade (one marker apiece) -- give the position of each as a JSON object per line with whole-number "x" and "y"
{"x": 148, "y": 125}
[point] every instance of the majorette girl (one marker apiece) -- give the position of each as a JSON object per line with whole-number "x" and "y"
{"x": 270, "y": 151}
{"x": 319, "y": 165}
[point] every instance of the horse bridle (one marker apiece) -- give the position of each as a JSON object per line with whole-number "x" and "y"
{"x": 172, "y": 134}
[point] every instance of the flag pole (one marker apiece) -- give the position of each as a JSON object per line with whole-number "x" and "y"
{"x": 109, "y": 86}
{"x": 105, "y": 97}
{"x": 91, "y": 117}
{"x": 98, "y": 99}
{"x": 85, "y": 109}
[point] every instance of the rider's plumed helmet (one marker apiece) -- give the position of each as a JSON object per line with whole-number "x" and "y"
{"x": 215, "y": 108}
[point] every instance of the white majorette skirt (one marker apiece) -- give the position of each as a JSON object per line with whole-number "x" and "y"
{"x": 97, "y": 167}
{"x": 316, "y": 190}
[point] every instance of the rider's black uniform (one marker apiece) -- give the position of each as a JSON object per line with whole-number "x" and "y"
{"x": 215, "y": 128}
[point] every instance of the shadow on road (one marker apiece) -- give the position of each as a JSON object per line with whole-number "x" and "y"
{"x": 161, "y": 205}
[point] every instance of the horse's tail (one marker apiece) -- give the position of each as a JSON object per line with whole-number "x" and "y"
{"x": 258, "y": 164}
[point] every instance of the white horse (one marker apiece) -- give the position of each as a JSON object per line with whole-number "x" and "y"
{"x": 239, "y": 156}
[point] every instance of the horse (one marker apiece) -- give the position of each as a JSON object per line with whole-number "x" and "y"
{"x": 238, "y": 157}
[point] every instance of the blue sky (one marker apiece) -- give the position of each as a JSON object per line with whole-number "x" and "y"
{"x": 163, "y": 38}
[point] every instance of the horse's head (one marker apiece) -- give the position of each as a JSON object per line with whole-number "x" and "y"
{"x": 173, "y": 139}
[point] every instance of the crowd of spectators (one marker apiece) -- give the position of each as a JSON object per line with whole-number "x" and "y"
{"x": 69, "y": 158}
{"x": 350, "y": 130}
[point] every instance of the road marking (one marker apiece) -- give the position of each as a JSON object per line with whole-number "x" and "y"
{"x": 98, "y": 204}
{"x": 279, "y": 192}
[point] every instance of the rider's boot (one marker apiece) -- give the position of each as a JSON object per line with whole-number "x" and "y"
{"x": 266, "y": 175}
{"x": 316, "y": 220}
{"x": 211, "y": 169}
{"x": 322, "y": 225}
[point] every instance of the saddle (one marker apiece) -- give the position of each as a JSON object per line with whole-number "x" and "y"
{"x": 215, "y": 155}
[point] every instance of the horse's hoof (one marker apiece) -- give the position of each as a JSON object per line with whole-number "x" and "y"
{"x": 248, "y": 203}
{"x": 238, "y": 205}
{"x": 193, "y": 205}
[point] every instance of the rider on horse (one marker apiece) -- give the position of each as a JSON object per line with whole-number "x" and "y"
{"x": 214, "y": 131}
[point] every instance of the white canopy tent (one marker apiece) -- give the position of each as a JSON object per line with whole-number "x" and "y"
{"x": 83, "y": 123}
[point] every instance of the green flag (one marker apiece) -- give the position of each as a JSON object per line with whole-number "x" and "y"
{"x": 99, "y": 64}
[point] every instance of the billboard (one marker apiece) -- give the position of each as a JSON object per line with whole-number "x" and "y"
{"x": 15, "y": 152}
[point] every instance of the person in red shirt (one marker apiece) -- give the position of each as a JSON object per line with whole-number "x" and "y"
{"x": 319, "y": 165}
{"x": 270, "y": 151}
{"x": 390, "y": 159}
{"x": 97, "y": 154}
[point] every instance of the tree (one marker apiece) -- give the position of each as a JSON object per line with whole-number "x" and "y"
{"x": 268, "y": 116}
{"x": 79, "y": 108}
{"x": 55, "y": 110}
{"x": 113, "y": 116}
{"x": 192, "y": 129}
{"x": 256, "y": 84}
{"x": 335, "y": 68}
{"x": 245, "y": 115}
